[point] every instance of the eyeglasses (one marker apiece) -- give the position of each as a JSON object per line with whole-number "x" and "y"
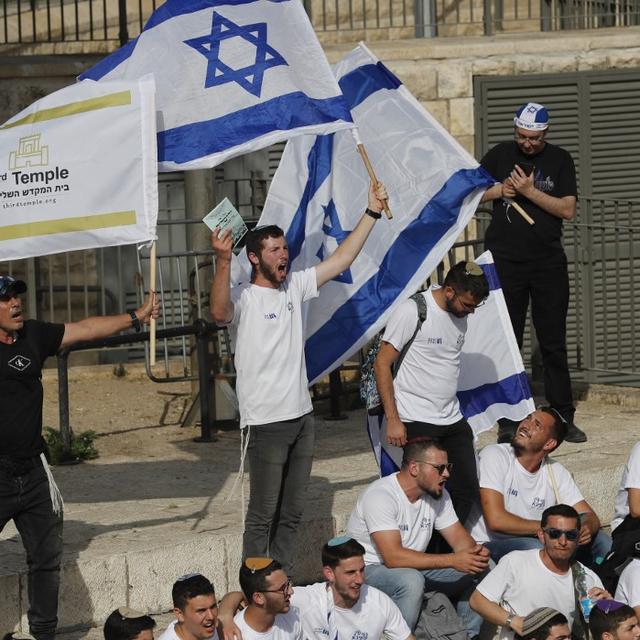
{"x": 440, "y": 468}
{"x": 555, "y": 534}
{"x": 466, "y": 305}
{"x": 531, "y": 139}
{"x": 283, "y": 589}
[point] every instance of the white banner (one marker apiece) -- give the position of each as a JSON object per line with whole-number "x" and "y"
{"x": 78, "y": 170}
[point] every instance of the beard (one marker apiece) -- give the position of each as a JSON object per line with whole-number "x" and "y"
{"x": 270, "y": 274}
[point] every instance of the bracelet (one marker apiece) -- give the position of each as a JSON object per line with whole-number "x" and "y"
{"x": 508, "y": 621}
{"x": 135, "y": 322}
{"x": 376, "y": 215}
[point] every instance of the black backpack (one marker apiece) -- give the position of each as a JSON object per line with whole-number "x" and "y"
{"x": 625, "y": 547}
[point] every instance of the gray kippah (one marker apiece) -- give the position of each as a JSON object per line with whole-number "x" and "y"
{"x": 536, "y": 619}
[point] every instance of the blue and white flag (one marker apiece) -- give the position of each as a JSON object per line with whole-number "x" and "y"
{"x": 232, "y": 76}
{"x": 493, "y": 383}
{"x": 320, "y": 192}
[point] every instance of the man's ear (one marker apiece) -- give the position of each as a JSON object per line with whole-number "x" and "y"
{"x": 178, "y": 614}
{"x": 328, "y": 574}
{"x": 253, "y": 258}
{"x": 258, "y": 598}
{"x": 540, "y": 534}
{"x": 607, "y": 635}
{"x": 550, "y": 445}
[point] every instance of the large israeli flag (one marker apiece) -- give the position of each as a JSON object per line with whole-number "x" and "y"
{"x": 232, "y": 76}
{"x": 493, "y": 383}
{"x": 320, "y": 192}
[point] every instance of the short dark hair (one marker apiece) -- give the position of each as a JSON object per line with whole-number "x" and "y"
{"x": 189, "y": 587}
{"x": 602, "y": 622}
{"x": 256, "y": 236}
{"x": 559, "y": 427}
{"x": 563, "y": 510}
{"x": 121, "y": 627}
{"x": 544, "y": 630}
{"x": 332, "y": 554}
{"x": 463, "y": 277}
{"x": 414, "y": 448}
{"x": 255, "y": 580}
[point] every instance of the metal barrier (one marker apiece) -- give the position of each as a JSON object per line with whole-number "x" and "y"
{"x": 34, "y": 21}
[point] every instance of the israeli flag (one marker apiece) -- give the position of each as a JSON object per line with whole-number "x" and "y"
{"x": 232, "y": 76}
{"x": 320, "y": 191}
{"x": 493, "y": 383}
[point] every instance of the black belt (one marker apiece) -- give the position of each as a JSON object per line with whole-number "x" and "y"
{"x": 19, "y": 466}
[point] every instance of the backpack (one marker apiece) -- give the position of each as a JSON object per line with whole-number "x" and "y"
{"x": 438, "y": 619}
{"x": 368, "y": 388}
{"x": 625, "y": 547}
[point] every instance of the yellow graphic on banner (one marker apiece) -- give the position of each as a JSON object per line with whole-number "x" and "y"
{"x": 120, "y": 99}
{"x": 68, "y": 225}
{"x": 30, "y": 153}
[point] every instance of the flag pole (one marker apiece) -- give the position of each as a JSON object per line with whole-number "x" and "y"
{"x": 152, "y": 291}
{"x": 372, "y": 174}
{"x": 519, "y": 209}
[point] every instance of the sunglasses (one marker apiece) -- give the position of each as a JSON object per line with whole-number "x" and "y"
{"x": 440, "y": 468}
{"x": 555, "y": 534}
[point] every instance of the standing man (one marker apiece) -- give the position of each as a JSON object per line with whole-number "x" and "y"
{"x": 530, "y": 260}
{"x": 421, "y": 400}
{"x": 28, "y": 494}
{"x": 272, "y": 384}
{"x": 394, "y": 519}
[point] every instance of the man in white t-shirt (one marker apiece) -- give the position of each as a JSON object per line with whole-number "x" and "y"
{"x": 518, "y": 481}
{"x": 271, "y": 383}
{"x": 421, "y": 400}
{"x": 343, "y": 607}
{"x": 394, "y": 519}
{"x": 195, "y": 608}
{"x": 628, "y": 498}
{"x": 628, "y": 590}
{"x": 526, "y": 580}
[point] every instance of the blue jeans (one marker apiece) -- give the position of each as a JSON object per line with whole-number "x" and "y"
{"x": 407, "y": 586}
{"x": 25, "y": 499}
{"x": 280, "y": 457}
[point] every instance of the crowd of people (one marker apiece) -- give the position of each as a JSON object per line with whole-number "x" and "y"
{"x": 509, "y": 541}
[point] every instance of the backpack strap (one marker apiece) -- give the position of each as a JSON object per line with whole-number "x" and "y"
{"x": 421, "y": 303}
{"x": 580, "y": 628}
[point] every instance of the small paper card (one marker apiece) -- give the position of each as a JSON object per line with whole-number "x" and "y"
{"x": 225, "y": 216}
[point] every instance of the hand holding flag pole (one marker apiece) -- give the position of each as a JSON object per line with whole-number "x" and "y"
{"x": 519, "y": 209}
{"x": 372, "y": 174}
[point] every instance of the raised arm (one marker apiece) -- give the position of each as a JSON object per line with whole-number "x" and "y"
{"x": 96, "y": 327}
{"x": 220, "y": 297}
{"x": 342, "y": 258}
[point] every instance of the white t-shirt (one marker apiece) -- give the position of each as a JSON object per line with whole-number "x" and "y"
{"x": 384, "y": 506}
{"x": 272, "y": 375}
{"x": 628, "y": 590}
{"x": 525, "y": 494}
{"x": 521, "y": 583}
{"x": 630, "y": 480}
{"x": 170, "y": 633}
{"x": 427, "y": 381}
{"x": 287, "y": 626}
{"x": 373, "y": 615}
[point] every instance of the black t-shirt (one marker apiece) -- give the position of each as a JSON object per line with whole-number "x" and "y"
{"x": 511, "y": 237}
{"x": 21, "y": 392}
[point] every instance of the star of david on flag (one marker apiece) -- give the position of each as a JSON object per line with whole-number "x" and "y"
{"x": 332, "y": 229}
{"x": 232, "y": 76}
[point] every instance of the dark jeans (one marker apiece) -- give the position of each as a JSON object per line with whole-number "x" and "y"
{"x": 457, "y": 439}
{"x": 280, "y": 458}
{"x": 25, "y": 499}
{"x": 546, "y": 283}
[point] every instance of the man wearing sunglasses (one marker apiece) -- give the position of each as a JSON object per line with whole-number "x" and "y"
{"x": 30, "y": 497}
{"x": 421, "y": 401}
{"x": 530, "y": 259}
{"x": 526, "y": 580}
{"x": 394, "y": 519}
{"x": 519, "y": 480}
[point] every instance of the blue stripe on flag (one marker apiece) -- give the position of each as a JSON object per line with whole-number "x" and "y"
{"x": 402, "y": 260}
{"x": 200, "y": 139}
{"x": 359, "y": 84}
{"x": 319, "y": 168}
{"x": 509, "y": 390}
{"x": 387, "y": 465}
{"x": 492, "y": 276}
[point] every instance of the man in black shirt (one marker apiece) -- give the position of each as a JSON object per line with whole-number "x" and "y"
{"x": 530, "y": 260}
{"x": 28, "y": 495}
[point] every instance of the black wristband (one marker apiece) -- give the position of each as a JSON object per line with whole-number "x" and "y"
{"x": 376, "y": 215}
{"x": 135, "y": 323}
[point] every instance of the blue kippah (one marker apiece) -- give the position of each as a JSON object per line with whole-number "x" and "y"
{"x": 532, "y": 116}
{"x": 338, "y": 540}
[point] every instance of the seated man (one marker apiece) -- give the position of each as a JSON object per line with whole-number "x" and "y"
{"x": 545, "y": 623}
{"x": 525, "y": 580}
{"x": 628, "y": 498}
{"x": 394, "y": 519}
{"x": 343, "y": 604}
{"x": 612, "y": 620}
{"x": 628, "y": 590}
{"x": 128, "y": 624}
{"x": 518, "y": 481}
{"x": 195, "y": 609}
{"x": 267, "y": 589}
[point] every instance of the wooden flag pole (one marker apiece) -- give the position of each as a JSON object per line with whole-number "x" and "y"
{"x": 520, "y": 210}
{"x": 365, "y": 158}
{"x": 152, "y": 291}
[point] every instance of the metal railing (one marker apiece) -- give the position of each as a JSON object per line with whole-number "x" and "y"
{"x": 40, "y": 21}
